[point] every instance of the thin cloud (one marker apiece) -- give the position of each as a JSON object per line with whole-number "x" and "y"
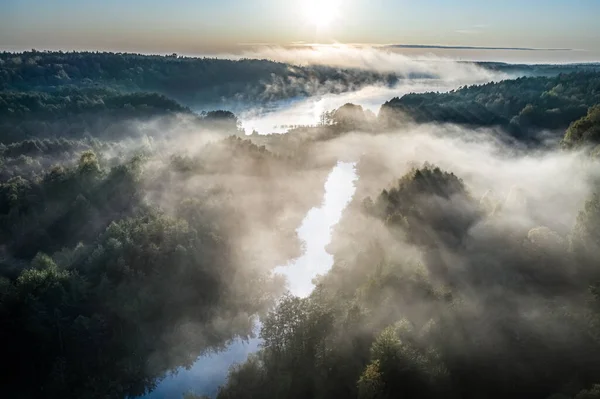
{"x": 467, "y": 31}
{"x": 442, "y": 47}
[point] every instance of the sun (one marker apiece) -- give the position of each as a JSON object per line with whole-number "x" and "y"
{"x": 322, "y": 13}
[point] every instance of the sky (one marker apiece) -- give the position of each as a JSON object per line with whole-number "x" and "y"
{"x": 213, "y": 26}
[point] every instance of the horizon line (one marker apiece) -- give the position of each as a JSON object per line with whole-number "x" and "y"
{"x": 458, "y": 47}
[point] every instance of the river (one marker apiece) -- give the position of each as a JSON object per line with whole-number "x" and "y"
{"x": 210, "y": 371}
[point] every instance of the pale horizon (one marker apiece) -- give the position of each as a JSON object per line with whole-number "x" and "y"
{"x": 209, "y": 27}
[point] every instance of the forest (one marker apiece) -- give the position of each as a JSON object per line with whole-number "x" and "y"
{"x": 137, "y": 234}
{"x": 190, "y": 80}
{"x": 520, "y": 106}
{"x": 503, "y": 313}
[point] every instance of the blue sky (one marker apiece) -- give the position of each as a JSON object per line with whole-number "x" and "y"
{"x": 221, "y": 25}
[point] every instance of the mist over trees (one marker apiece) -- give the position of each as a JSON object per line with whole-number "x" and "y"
{"x": 585, "y": 131}
{"x": 192, "y": 81}
{"x": 432, "y": 294}
{"x": 137, "y": 234}
{"x": 109, "y": 280}
{"x": 520, "y": 106}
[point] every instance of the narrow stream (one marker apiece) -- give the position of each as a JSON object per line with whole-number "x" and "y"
{"x": 210, "y": 371}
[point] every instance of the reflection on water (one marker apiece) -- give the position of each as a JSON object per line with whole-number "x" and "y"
{"x": 306, "y": 112}
{"x": 315, "y": 231}
{"x": 210, "y": 371}
{"x": 206, "y": 374}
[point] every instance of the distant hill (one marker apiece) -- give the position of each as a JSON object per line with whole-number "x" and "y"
{"x": 522, "y": 106}
{"x": 548, "y": 70}
{"x": 192, "y": 81}
{"x": 73, "y": 112}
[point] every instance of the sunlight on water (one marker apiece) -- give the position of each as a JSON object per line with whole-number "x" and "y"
{"x": 315, "y": 231}
{"x": 306, "y": 112}
{"x": 211, "y": 371}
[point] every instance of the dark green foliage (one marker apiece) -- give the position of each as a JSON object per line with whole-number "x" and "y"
{"x": 405, "y": 367}
{"x": 67, "y": 205}
{"x": 106, "y": 114}
{"x": 291, "y": 363}
{"x": 120, "y": 262}
{"x": 55, "y": 94}
{"x": 510, "y": 313}
{"x": 74, "y": 113}
{"x": 69, "y": 102}
{"x": 107, "y": 323}
{"x": 432, "y": 205}
{"x": 585, "y": 131}
{"x": 370, "y": 384}
{"x": 522, "y": 106}
{"x": 549, "y": 70}
{"x": 222, "y": 120}
{"x": 126, "y": 293}
{"x": 193, "y": 81}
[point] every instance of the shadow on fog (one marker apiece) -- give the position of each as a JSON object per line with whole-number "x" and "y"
{"x": 210, "y": 371}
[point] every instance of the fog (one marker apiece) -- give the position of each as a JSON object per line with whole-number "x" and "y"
{"x": 312, "y": 215}
{"x": 300, "y": 240}
{"x": 373, "y": 59}
{"x": 416, "y": 75}
{"x": 530, "y": 201}
{"x": 315, "y": 231}
{"x": 482, "y": 159}
{"x": 528, "y": 187}
{"x": 348, "y": 54}
{"x": 306, "y": 112}
{"x": 210, "y": 371}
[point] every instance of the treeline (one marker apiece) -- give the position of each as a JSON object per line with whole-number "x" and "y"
{"x": 530, "y": 110}
{"x": 549, "y": 70}
{"x": 192, "y": 81}
{"x": 435, "y": 294}
{"x": 31, "y": 159}
{"x": 522, "y": 106}
{"x": 106, "y": 114}
{"x": 72, "y": 101}
{"x": 54, "y": 94}
{"x": 76, "y": 113}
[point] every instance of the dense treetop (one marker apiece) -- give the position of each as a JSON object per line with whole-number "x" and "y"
{"x": 496, "y": 314}
{"x": 585, "y": 131}
{"x": 109, "y": 280}
{"x": 522, "y": 105}
{"x": 193, "y": 81}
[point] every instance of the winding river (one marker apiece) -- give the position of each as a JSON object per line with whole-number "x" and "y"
{"x": 210, "y": 371}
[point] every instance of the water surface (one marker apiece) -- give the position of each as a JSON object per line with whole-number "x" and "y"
{"x": 210, "y": 371}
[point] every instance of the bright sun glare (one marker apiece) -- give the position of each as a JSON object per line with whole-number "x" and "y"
{"x": 322, "y": 13}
